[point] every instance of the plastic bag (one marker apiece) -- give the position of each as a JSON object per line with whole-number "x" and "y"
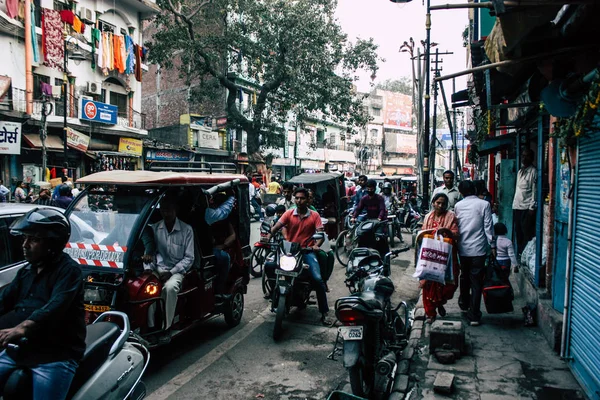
{"x": 434, "y": 257}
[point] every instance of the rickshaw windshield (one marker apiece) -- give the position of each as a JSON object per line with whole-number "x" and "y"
{"x": 106, "y": 222}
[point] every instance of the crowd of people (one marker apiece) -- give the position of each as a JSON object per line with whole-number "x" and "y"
{"x": 465, "y": 214}
{"x": 61, "y": 196}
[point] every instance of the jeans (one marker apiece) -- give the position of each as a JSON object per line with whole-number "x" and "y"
{"x": 50, "y": 381}
{"x": 223, "y": 261}
{"x": 315, "y": 272}
{"x": 472, "y": 275}
{"x": 524, "y": 228}
{"x": 257, "y": 208}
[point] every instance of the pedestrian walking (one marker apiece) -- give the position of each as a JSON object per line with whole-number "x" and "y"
{"x": 475, "y": 238}
{"x": 435, "y": 295}
{"x": 449, "y": 190}
{"x": 524, "y": 202}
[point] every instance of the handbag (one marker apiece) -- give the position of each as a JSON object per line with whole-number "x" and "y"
{"x": 434, "y": 257}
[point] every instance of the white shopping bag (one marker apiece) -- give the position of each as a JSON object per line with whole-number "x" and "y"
{"x": 434, "y": 258}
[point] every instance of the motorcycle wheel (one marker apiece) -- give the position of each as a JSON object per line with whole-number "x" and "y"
{"x": 280, "y": 313}
{"x": 257, "y": 260}
{"x": 343, "y": 247}
{"x": 361, "y": 381}
{"x": 266, "y": 287}
{"x": 235, "y": 309}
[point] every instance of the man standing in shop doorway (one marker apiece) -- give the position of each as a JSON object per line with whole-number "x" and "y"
{"x": 524, "y": 202}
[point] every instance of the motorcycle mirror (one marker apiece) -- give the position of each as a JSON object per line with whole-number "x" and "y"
{"x": 319, "y": 236}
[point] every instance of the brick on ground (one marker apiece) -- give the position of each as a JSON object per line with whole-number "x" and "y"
{"x": 443, "y": 382}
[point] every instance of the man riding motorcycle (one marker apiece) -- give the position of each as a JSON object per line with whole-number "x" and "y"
{"x": 374, "y": 204}
{"x": 391, "y": 200}
{"x": 301, "y": 223}
{"x": 44, "y": 304}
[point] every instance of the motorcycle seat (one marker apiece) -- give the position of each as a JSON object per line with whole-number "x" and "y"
{"x": 371, "y": 300}
{"x": 99, "y": 339}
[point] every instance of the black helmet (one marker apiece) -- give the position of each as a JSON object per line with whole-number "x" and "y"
{"x": 44, "y": 223}
{"x": 270, "y": 210}
{"x": 386, "y": 186}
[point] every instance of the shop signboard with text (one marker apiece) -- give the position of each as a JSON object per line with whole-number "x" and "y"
{"x": 77, "y": 140}
{"x": 10, "y": 137}
{"x": 400, "y": 143}
{"x": 169, "y": 155}
{"x": 95, "y": 111}
{"x": 130, "y": 146}
{"x": 207, "y": 138}
{"x": 398, "y": 110}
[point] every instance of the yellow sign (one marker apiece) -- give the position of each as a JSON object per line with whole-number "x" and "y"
{"x": 93, "y": 308}
{"x": 130, "y": 146}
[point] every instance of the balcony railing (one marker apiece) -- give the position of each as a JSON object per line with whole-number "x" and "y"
{"x": 18, "y": 102}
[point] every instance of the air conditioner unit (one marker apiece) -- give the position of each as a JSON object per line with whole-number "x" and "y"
{"x": 94, "y": 87}
{"x": 86, "y": 14}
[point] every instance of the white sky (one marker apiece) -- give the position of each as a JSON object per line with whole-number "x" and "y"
{"x": 391, "y": 24}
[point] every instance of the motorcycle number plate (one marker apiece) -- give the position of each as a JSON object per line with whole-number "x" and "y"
{"x": 94, "y": 308}
{"x": 286, "y": 273}
{"x": 351, "y": 332}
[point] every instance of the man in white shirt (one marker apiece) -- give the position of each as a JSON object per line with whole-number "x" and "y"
{"x": 252, "y": 192}
{"x": 170, "y": 255}
{"x": 524, "y": 202}
{"x": 475, "y": 238}
{"x": 449, "y": 190}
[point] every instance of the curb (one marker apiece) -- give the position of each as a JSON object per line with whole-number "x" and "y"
{"x": 402, "y": 379}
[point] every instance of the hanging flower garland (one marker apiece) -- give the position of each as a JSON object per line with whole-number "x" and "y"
{"x": 583, "y": 120}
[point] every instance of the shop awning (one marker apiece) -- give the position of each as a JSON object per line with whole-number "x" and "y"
{"x": 495, "y": 144}
{"x": 53, "y": 142}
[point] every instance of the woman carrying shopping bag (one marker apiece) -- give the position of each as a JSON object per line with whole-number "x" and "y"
{"x": 442, "y": 222}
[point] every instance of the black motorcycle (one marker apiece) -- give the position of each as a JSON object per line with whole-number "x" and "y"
{"x": 288, "y": 280}
{"x": 370, "y": 234}
{"x": 372, "y": 331}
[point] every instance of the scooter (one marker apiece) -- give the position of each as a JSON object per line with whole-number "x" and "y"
{"x": 372, "y": 331}
{"x": 111, "y": 368}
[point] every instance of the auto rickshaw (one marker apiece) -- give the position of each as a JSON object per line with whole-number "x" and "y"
{"x": 119, "y": 206}
{"x": 330, "y": 198}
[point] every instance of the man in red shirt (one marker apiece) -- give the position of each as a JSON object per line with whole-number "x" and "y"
{"x": 301, "y": 224}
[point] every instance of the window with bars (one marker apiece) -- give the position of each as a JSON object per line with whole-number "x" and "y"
{"x": 37, "y": 87}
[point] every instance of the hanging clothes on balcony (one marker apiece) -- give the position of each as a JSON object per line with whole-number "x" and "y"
{"x": 96, "y": 49}
{"x": 78, "y": 26}
{"x": 118, "y": 54}
{"x": 130, "y": 61}
{"x": 34, "y": 42}
{"x": 52, "y": 40}
{"x": 12, "y": 8}
{"x": 137, "y": 49}
{"x": 67, "y": 16}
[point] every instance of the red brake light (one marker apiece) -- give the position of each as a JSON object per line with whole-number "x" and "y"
{"x": 348, "y": 315}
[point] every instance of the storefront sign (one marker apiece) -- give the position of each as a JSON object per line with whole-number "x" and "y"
{"x": 208, "y": 139}
{"x": 199, "y": 122}
{"x": 130, "y": 146}
{"x": 169, "y": 155}
{"x": 98, "y": 112}
{"x": 77, "y": 140}
{"x": 10, "y": 137}
{"x": 400, "y": 143}
{"x": 221, "y": 122}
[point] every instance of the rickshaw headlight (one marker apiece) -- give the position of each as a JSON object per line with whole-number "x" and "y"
{"x": 151, "y": 289}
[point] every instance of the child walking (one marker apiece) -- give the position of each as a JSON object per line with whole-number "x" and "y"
{"x": 505, "y": 255}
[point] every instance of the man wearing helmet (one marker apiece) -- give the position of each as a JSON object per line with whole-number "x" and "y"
{"x": 391, "y": 201}
{"x": 44, "y": 304}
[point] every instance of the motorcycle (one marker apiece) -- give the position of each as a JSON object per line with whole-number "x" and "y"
{"x": 111, "y": 368}
{"x": 369, "y": 233}
{"x": 394, "y": 226}
{"x": 372, "y": 331}
{"x": 254, "y": 212}
{"x": 413, "y": 218}
{"x": 289, "y": 279}
{"x": 261, "y": 249}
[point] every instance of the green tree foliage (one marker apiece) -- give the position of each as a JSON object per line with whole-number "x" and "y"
{"x": 293, "y": 52}
{"x": 402, "y": 85}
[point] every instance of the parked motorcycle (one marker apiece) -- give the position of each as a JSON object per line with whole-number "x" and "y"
{"x": 372, "y": 331}
{"x": 394, "y": 226}
{"x": 289, "y": 279}
{"x": 111, "y": 368}
{"x": 261, "y": 248}
{"x": 369, "y": 233}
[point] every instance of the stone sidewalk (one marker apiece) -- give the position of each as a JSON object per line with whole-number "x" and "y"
{"x": 504, "y": 360}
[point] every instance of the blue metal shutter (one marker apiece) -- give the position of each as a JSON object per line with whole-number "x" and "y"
{"x": 584, "y": 313}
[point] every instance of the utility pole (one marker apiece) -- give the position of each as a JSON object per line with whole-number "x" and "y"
{"x": 425, "y": 147}
{"x": 46, "y": 110}
{"x": 436, "y": 70}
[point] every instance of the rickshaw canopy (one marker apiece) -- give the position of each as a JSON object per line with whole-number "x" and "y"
{"x": 307, "y": 178}
{"x": 162, "y": 178}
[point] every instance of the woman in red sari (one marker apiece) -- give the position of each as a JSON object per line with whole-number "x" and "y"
{"x": 435, "y": 295}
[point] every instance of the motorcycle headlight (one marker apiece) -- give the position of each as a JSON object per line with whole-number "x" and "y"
{"x": 287, "y": 263}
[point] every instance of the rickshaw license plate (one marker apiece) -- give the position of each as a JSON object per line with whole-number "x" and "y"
{"x": 94, "y": 308}
{"x": 286, "y": 273}
{"x": 351, "y": 332}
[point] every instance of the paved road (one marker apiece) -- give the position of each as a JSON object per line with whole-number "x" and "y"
{"x": 245, "y": 363}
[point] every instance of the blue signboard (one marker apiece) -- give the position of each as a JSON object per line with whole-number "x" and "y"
{"x": 98, "y": 112}
{"x": 169, "y": 155}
